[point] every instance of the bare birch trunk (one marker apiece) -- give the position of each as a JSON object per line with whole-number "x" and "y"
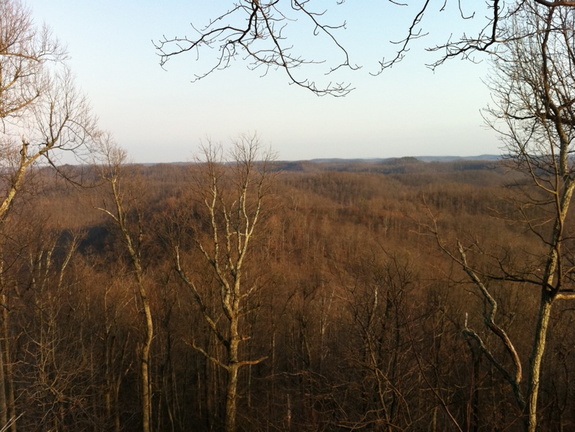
{"x": 232, "y": 397}
{"x": 536, "y": 360}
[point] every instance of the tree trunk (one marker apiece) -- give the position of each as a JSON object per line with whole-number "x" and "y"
{"x": 3, "y": 404}
{"x": 233, "y": 372}
{"x": 8, "y": 366}
{"x": 536, "y": 359}
{"x": 232, "y": 397}
{"x": 145, "y": 370}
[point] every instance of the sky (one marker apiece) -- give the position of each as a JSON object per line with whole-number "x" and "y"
{"x": 160, "y": 115}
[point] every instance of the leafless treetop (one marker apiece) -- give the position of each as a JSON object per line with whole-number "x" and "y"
{"x": 257, "y": 30}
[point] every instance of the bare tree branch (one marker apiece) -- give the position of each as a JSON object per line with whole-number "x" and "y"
{"x": 259, "y": 32}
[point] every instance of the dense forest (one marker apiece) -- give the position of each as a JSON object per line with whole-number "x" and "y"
{"x": 351, "y": 315}
{"x": 239, "y": 293}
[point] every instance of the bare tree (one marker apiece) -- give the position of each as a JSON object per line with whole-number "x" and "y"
{"x": 119, "y": 211}
{"x": 259, "y": 31}
{"x": 41, "y": 112}
{"x": 233, "y": 195}
{"x": 534, "y": 112}
{"x": 42, "y": 115}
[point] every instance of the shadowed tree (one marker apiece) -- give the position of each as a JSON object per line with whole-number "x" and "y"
{"x": 533, "y": 87}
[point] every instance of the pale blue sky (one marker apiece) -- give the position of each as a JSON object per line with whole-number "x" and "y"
{"x": 160, "y": 116}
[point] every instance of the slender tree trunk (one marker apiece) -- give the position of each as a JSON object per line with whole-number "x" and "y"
{"x": 3, "y": 403}
{"x": 536, "y": 359}
{"x": 8, "y": 367}
{"x": 3, "y": 360}
{"x": 232, "y": 398}
{"x": 7, "y": 404}
{"x": 145, "y": 370}
{"x": 233, "y": 372}
{"x": 117, "y": 422}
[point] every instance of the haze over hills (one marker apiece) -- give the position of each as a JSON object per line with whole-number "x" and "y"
{"x": 297, "y": 165}
{"x": 483, "y": 157}
{"x": 390, "y": 165}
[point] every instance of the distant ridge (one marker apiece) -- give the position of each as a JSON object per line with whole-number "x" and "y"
{"x": 292, "y": 164}
{"x": 484, "y": 157}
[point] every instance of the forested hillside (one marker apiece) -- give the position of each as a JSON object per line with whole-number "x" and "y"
{"x": 349, "y": 316}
